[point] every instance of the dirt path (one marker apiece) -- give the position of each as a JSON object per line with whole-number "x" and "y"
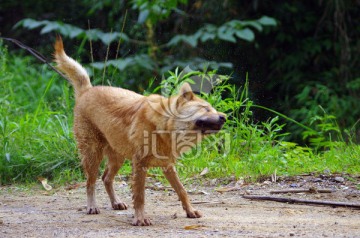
{"x": 61, "y": 213}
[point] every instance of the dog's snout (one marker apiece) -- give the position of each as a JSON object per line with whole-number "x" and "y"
{"x": 222, "y": 119}
{"x": 211, "y": 123}
{"x": 201, "y": 122}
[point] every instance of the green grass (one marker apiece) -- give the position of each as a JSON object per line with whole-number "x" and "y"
{"x": 35, "y": 123}
{"x": 37, "y": 141}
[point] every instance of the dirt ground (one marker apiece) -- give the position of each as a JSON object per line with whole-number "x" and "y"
{"x": 61, "y": 212}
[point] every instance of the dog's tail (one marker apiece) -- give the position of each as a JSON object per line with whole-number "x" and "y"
{"x": 75, "y": 73}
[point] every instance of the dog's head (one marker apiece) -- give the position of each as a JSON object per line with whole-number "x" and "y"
{"x": 187, "y": 112}
{"x": 195, "y": 113}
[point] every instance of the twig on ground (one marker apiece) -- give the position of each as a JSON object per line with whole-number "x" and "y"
{"x": 227, "y": 189}
{"x": 208, "y": 202}
{"x": 310, "y": 190}
{"x": 295, "y": 200}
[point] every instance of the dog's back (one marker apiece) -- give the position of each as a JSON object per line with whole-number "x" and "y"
{"x": 114, "y": 112}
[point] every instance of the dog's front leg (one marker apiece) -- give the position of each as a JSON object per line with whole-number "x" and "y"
{"x": 138, "y": 187}
{"x": 173, "y": 178}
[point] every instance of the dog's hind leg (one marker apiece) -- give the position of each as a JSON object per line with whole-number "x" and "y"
{"x": 91, "y": 162}
{"x": 171, "y": 175}
{"x": 91, "y": 145}
{"x": 115, "y": 161}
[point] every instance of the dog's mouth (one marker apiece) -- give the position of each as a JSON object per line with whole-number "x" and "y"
{"x": 209, "y": 132}
{"x": 210, "y": 125}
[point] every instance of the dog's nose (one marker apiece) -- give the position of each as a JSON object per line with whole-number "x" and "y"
{"x": 222, "y": 119}
{"x": 211, "y": 123}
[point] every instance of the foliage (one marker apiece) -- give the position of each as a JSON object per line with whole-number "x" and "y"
{"x": 328, "y": 131}
{"x": 304, "y": 69}
{"x": 150, "y": 13}
{"x": 35, "y": 122}
{"x": 315, "y": 62}
{"x": 72, "y": 31}
{"x": 226, "y": 32}
{"x": 36, "y": 132}
{"x": 310, "y": 58}
{"x": 256, "y": 151}
{"x": 154, "y": 11}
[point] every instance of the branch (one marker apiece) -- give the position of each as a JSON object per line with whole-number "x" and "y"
{"x": 294, "y": 200}
{"x": 310, "y": 190}
{"x": 36, "y": 54}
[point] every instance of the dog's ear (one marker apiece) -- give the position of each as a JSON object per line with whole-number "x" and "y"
{"x": 186, "y": 92}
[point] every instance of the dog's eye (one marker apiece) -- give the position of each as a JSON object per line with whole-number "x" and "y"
{"x": 207, "y": 109}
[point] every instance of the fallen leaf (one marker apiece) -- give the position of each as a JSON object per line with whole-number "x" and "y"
{"x": 193, "y": 227}
{"x": 205, "y": 171}
{"x": 44, "y": 183}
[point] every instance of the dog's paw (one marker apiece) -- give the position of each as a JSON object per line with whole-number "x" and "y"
{"x": 193, "y": 214}
{"x": 141, "y": 222}
{"x": 119, "y": 206}
{"x": 93, "y": 210}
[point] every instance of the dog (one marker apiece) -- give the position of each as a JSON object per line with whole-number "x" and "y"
{"x": 121, "y": 124}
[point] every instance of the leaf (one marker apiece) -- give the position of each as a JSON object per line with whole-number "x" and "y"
{"x": 30, "y": 23}
{"x": 267, "y": 21}
{"x": 209, "y": 28}
{"x": 123, "y": 36}
{"x": 235, "y": 24}
{"x": 254, "y": 24}
{"x": 92, "y": 34}
{"x": 143, "y": 16}
{"x": 193, "y": 227}
{"x": 44, "y": 183}
{"x": 7, "y": 156}
{"x": 107, "y": 38}
{"x": 50, "y": 26}
{"x": 175, "y": 40}
{"x": 74, "y": 31}
{"x": 98, "y": 65}
{"x": 205, "y": 171}
{"x": 227, "y": 34}
{"x": 245, "y": 34}
{"x": 158, "y": 11}
{"x": 207, "y": 36}
{"x": 191, "y": 40}
{"x": 121, "y": 64}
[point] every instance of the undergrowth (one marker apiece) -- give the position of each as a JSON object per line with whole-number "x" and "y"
{"x": 37, "y": 141}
